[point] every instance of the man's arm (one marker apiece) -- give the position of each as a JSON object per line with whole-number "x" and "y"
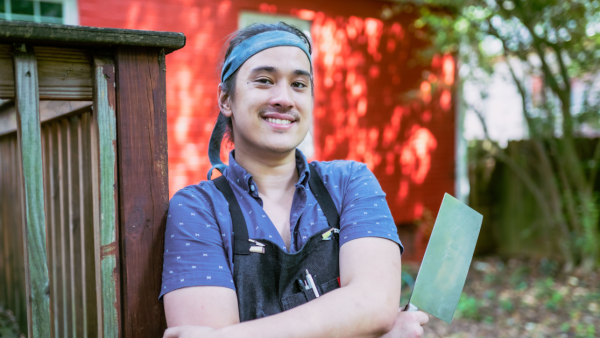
{"x": 365, "y": 306}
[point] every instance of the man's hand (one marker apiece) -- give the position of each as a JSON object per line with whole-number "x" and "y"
{"x": 188, "y": 331}
{"x": 408, "y": 325}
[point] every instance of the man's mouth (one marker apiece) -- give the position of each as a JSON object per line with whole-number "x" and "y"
{"x": 278, "y": 121}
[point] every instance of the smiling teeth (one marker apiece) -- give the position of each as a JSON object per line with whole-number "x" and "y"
{"x": 278, "y": 121}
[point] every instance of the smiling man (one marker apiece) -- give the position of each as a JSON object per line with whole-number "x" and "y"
{"x": 278, "y": 247}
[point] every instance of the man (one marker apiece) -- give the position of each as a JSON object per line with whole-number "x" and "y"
{"x": 277, "y": 247}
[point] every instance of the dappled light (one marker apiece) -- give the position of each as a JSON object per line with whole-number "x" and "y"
{"x": 366, "y": 112}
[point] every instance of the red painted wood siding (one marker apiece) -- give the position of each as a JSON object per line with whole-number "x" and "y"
{"x": 376, "y": 101}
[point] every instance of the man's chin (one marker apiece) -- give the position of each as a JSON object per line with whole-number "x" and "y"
{"x": 281, "y": 148}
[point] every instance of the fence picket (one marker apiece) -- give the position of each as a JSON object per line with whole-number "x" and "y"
{"x": 30, "y": 144}
{"x": 104, "y": 172}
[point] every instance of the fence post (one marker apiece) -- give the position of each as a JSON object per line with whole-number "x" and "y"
{"x": 143, "y": 185}
{"x": 30, "y": 145}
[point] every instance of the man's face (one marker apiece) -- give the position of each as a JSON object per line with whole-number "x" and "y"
{"x": 273, "y": 104}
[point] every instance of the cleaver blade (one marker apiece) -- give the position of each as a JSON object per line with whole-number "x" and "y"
{"x": 443, "y": 272}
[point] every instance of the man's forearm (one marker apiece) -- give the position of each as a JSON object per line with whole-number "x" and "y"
{"x": 352, "y": 311}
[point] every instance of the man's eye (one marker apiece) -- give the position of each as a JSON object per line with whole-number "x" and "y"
{"x": 264, "y": 81}
{"x": 298, "y": 85}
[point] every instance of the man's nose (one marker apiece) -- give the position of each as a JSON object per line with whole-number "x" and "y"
{"x": 282, "y": 96}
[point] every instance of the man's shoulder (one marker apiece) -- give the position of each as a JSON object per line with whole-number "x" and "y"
{"x": 201, "y": 192}
{"x": 338, "y": 168}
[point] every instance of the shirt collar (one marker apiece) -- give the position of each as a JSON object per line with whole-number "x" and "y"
{"x": 237, "y": 174}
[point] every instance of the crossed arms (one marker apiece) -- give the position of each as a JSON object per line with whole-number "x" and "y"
{"x": 366, "y": 305}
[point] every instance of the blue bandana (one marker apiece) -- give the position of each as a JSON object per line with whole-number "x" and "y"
{"x": 238, "y": 56}
{"x": 257, "y": 43}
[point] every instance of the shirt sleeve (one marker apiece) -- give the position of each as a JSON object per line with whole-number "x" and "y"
{"x": 194, "y": 251}
{"x": 365, "y": 212}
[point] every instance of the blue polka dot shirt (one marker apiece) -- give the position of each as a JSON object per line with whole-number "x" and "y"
{"x": 199, "y": 234}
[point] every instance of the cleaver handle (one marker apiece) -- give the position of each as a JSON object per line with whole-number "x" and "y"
{"x": 410, "y": 308}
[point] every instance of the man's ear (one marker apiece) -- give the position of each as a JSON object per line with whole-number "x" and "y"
{"x": 224, "y": 101}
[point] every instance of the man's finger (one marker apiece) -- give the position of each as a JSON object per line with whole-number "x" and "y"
{"x": 422, "y": 317}
{"x": 172, "y": 332}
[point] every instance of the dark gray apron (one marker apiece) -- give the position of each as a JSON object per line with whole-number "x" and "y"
{"x": 267, "y": 283}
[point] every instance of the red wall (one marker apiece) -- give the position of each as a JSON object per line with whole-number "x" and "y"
{"x": 376, "y": 100}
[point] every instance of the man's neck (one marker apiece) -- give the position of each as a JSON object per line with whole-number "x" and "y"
{"x": 274, "y": 175}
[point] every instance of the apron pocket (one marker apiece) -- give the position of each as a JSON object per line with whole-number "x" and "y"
{"x": 329, "y": 286}
{"x": 294, "y": 300}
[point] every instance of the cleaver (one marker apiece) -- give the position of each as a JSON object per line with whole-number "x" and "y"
{"x": 443, "y": 272}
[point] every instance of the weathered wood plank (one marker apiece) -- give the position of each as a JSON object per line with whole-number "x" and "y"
{"x": 17, "y": 251}
{"x": 64, "y": 73}
{"x": 143, "y": 187}
{"x": 57, "y": 299}
{"x": 47, "y": 160}
{"x": 41, "y": 34}
{"x": 20, "y": 305}
{"x": 7, "y": 81}
{"x": 74, "y": 227}
{"x": 26, "y": 91}
{"x": 64, "y": 234}
{"x": 4, "y": 221}
{"x": 90, "y": 320}
{"x": 105, "y": 171}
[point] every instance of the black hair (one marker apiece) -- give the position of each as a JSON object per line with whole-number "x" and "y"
{"x": 224, "y": 126}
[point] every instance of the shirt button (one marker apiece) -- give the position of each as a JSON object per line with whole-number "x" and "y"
{"x": 252, "y": 188}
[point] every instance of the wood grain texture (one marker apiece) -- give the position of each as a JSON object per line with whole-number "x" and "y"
{"x": 40, "y": 34}
{"x": 106, "y": 195}
{"x": 143, "y": 185}
{"x": 64, "y": 73}
{"x": 29, "y": 136}
{"x": 46, "y": 144}
{"x": 64, "y": 233}
{"x": 11, "y": 218}
{"x": 57, "y": 299}
{"x": 3, "y": 224}
{"x": 7, "y": 80}
{"x": 90, "y": 319}
{"x": 74, "y": 223}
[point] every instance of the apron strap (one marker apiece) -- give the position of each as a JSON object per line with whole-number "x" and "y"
{"x": 323, "y": 198}
{"x": 241, "y": 245}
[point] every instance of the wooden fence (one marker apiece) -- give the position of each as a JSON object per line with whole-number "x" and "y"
{"x": 83, "y": 180}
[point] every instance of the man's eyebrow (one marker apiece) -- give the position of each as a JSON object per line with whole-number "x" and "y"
{"x": 271, "y": 69}
{"x": 268, "y": 69}
{"x": 301, "y": 72}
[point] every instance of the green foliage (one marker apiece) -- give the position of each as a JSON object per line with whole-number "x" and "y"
{"x": 491, "y": 278}
{"x": 555, "y": 300}
{"x": 507, "y": 305}
{"x": 548, "y": 267}
{"x": 469, "y": 307}
{"x": 8, "y": 324}
{"x": 585, "y": 331}
{"x": 553, "y": 42}
{"x": 518, "y": 278}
